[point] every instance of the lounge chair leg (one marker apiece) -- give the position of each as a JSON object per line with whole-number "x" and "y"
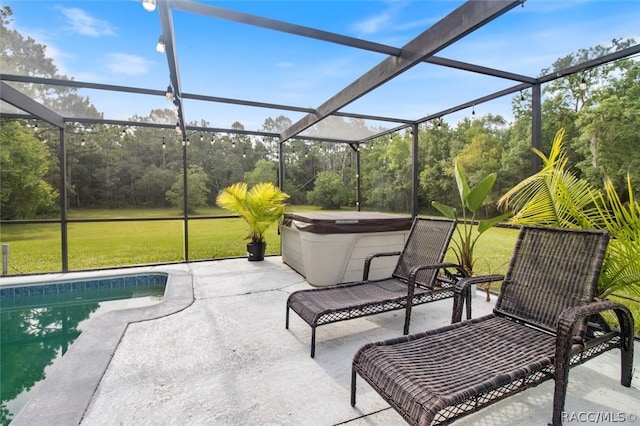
{"x": 625, "y": 320}
{"x": 626, "y": 366}
{"x": 561, "y": 378}
{"x": 456, "y": 312}
{"x": 469, "y": 303}
{"x": 286, "y": 321}
{"x": 353, "y": 387}
{"x": 407, "y": 319}
{"x": 313, "y": 342}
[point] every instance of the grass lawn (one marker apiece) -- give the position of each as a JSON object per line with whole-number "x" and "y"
{"x": 36, "y": 248}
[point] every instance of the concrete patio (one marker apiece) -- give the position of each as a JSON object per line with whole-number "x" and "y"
{"x": 216, "y": 352}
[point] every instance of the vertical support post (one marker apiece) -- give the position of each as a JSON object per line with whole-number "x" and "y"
{"x": 281, "y": 186}
{"x": 536, "y": 126}
{"x": 414, "y": 171}
{"x": 280, "y": 165}
{"x": 356, "y": 147}
{"x": 5, "y": 259}
{"x": 185, "y": 195}
{"x": 64, "y": 204}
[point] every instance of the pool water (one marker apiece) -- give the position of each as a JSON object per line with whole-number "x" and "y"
{"x": 38, "y": 323}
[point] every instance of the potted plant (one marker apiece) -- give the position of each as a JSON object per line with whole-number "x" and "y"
{"x": 260, "y": 207}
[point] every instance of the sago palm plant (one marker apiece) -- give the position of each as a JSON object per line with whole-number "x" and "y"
{"x": 260, "y": 207}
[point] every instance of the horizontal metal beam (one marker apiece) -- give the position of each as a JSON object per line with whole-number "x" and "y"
{"x": 23, "y": 102}
{"x": 80, "y": 84}
{"x": 475, "y": 102}
{"x": 457, "y": 108}
{"x": 371, "y": 117}
{"x": 241, "y": 102}
{"x": 192, "y": 96}
{"x": 265, "y": 134}
{"x": 384, "y": 133}
{"x": 272, "y": 24}
{"x": 435, "y": 60}
{"x": 232, "y": 101}
{"x": 196, "y": 129}
{"x": 620, "y": 54}
{"x": 462, "y": 21}
{"x": 120, "y": 123}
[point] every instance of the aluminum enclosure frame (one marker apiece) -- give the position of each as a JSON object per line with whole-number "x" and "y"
{"x": 470, "y": 16}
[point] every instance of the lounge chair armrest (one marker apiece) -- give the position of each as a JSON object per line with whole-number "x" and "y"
{"x": 567, "y": 320}
{"x": 413, "y": 273}
{"x": 463, "y": 284}
{"x": 369, "y": 259}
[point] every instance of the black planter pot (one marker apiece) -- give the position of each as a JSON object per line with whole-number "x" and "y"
{"x": 255, "y": 251}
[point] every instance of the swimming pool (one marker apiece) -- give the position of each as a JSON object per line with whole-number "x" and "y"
{"x": 40, "y": 321}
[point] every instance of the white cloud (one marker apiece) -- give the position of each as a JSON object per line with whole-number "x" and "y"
{"x": 83, "y": 23}
{"x": 123, "y": 63}
{"x": 372, "y": 25}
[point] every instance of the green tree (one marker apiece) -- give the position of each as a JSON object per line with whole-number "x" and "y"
{"x": 374, "y": 184}
{"x": 565, "y": 99}
{"x": 480, "y": 158}
{"x": 517, "y": 155}
{"x": 152, "y": 187}
{"x": 329, "y": 191}
{"x": 609, "y": 139}
{"x": 434, "y": 144}
{"x": 264, "y": 171}
{"x": 23, "y": 165}
{"x": 19, "y": 55}
{"x": 386, "y": 174}
{"x": 196, "y": 189}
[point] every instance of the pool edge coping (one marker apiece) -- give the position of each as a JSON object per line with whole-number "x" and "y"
{"x": 66, "y": 394}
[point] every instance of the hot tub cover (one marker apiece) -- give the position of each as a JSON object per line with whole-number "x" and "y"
{"x": 347, "y": 222}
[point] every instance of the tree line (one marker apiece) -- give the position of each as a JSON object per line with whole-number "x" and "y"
{"x": 114, "y": 166}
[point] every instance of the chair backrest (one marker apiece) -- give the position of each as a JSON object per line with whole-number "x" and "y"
{"x": 551, "y": 269}
{"x": 426, "y": 245}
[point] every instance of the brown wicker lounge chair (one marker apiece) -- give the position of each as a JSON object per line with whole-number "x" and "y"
{"x": 538, "y": 330}
{"x": 419, "y": 276}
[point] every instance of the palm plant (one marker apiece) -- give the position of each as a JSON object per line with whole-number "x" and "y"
{"x": 621, "y": 269}
{"x": 260, "y": 207}
{"x": 553, "y": 196}
{"x": 556, "y": 197}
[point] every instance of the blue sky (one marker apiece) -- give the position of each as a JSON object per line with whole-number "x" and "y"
{"x": 113, "y": 42}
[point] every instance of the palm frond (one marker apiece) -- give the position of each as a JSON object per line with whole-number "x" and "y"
{"x": 551, "y": 197}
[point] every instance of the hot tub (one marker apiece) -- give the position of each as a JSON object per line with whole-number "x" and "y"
{"x": 330, "y": 248}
